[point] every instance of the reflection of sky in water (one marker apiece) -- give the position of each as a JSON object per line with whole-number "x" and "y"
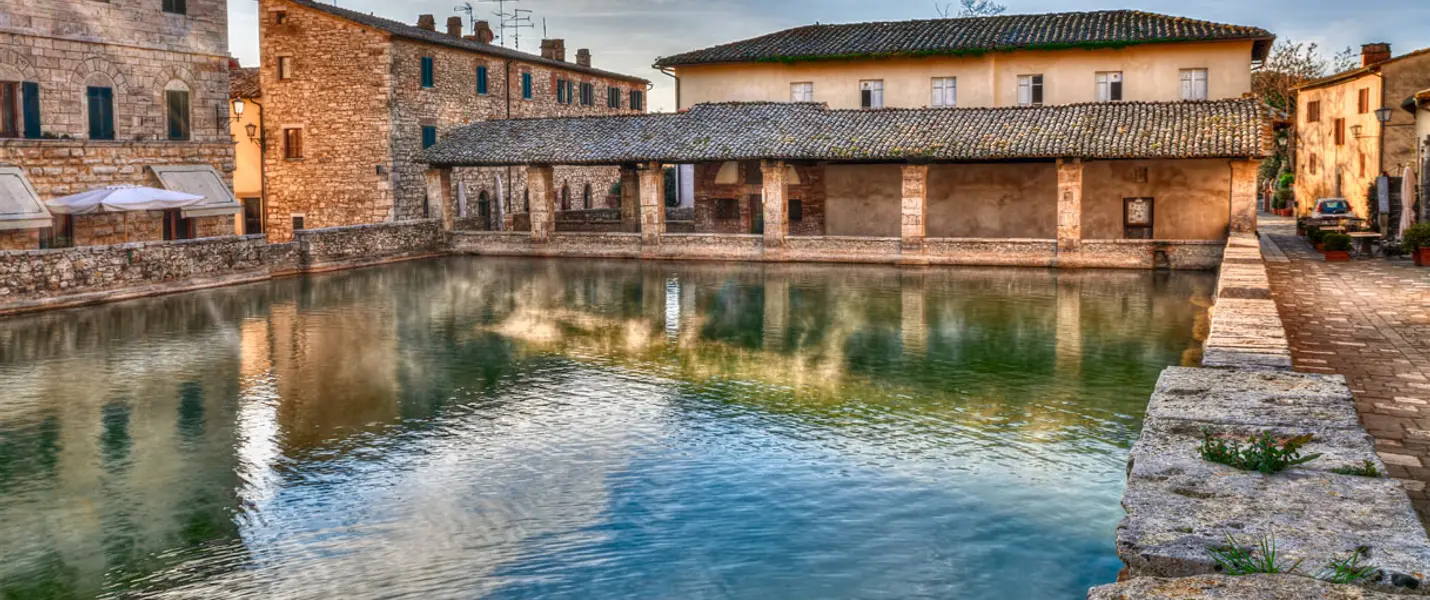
{"x": 531, "y": 429}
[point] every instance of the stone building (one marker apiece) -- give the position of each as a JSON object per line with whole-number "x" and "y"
{"x": 105, "y": 93}
{"x": 246, "y": 92}
{"x": 350, "y": 99}
{"x": 1342, "y": 146}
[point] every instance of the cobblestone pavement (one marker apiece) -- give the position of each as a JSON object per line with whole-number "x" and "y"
{"x": 1369, "y": 320}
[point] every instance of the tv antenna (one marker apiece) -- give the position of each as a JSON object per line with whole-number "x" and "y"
{"x": 466, "y": 7}
{"x": 518, "y": 20}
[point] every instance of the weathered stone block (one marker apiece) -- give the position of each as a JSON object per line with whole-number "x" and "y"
{"x": 1222, "y": 587}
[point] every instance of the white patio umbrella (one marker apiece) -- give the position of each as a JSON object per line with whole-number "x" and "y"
{"x": 1407, "y": 201}
{"x": 122, "y": 198}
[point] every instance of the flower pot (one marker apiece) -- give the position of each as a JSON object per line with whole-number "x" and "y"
{"x": 1320, "y": 247}
{"x": 1337, "y": 256}
{"x": 1422, "y": 257}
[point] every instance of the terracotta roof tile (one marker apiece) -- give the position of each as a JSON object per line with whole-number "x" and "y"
{"x": 243, "y": 83}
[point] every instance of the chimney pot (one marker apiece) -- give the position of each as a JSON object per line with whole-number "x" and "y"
{"x": 482, "y": 31}
{"x": 454, "y": 26}
{"x": 1374, "y": 53}
{"x": 553, "y": 49}
{"x": 427, "y": 22}
{"x": 583, "y": 57}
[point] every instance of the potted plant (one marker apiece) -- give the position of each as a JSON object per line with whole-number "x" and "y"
{"x": 1301, "y": 226}
{"x": 1338, "y": 247}
{"x": 1314, "y": 235}
{"x": 1417, "y": 242}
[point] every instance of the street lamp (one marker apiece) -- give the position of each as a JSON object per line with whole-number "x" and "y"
{"x": 1383, "y": 115}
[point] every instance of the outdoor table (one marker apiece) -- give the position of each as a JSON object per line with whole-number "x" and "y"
{"x": 1364, "y": 239}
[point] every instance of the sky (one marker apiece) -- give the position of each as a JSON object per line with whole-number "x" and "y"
{"x": 628, "y": 35}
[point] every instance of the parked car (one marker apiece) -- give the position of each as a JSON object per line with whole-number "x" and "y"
{"x": 1332, "y": 208}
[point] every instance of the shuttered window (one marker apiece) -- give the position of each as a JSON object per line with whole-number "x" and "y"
{"x": 871, "y": 94}
{"x": 1194, "y": 84}
{"x": 429, "y": 136}
{"x": 429, "y": 77}
{"x": 945, "y": 91}
{"x": 1109, "y": 86}
{"x": 588, "y": 94}
{"x": 292, "y": 143}
{"x": 613, "y": 97}
{"x": 637, "y": 100}
{"x": 11, "y": 121}
{"x": 802, "y": 91}
{"x": 1363, "y": 101}
{"x": 30, "y": 98}
{"x": 482, "y": 80}
{"x": 100, "y": 101}
{"x": 178, "y": 109}
{"x": 526, "y": 85}
{"x": 561, "y": 91}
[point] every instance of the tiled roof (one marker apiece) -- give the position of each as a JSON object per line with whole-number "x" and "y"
{"x": 1358, "y": 71}
{"x": 807, "y": 131}
{"x": 243, "y": 83}
{"x": 413, "y": 32}
{"x": 1113, "y": 28}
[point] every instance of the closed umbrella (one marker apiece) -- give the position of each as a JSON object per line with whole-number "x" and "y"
{"x": 120, "y": 198}
{"x": 1407, "y": 201}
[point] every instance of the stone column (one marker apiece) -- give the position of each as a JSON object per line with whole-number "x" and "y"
{"x": 540, "y": 182}
{"x": 1243, "y": 196}
{"x": 652, "y": 203}
{"x": 439, "y": 196}
{"x": 1069, "y": 205}
{"x": 630, "y": 200}
{"x": 776, "y": 201}
{"x": 914, "y": 208}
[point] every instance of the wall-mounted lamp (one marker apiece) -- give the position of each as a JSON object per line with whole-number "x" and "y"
{"x": 1383, "y": 115}
{"x": 224, "y": 118}
{"x": 252, "y": 130}
{"x": 1355, "y": 131}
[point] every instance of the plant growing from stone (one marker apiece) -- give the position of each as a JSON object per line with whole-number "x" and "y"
{"x": 1365, "y": 469}
{"x": 1349, "y": 569}
{"x": 1262, "y": 452}
{"x": 1235, "y": 559}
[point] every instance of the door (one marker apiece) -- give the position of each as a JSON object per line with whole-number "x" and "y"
{"x": 757, "y": 213}
{"x": 1137, "y": 218}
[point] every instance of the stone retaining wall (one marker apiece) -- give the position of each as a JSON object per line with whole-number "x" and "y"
{"x": 1246, "y": 331}
{"x": 359, "y": 245}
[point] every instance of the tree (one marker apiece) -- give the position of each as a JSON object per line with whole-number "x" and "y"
{"x": 970, "y": 8}
{"x": 1290, "y": 64}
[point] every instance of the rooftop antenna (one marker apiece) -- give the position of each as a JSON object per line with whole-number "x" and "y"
{"x": 518, "y": 20}
{"x": 502, "y": 17}
{"x": 466, "y": 7}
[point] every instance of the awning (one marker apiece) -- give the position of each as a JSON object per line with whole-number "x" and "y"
{"x": 20, "y": 207}
{"x": 122, "y": 198}
{"x": 201, "y": 180}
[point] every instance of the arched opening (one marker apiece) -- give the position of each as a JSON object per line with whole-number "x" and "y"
{"x": 586, "y": 197}
{"x": 565, "y": 197}
{"x": 99, "y": 106}
{"x": 484, "y": 209}
{"x": 178, "y": 116}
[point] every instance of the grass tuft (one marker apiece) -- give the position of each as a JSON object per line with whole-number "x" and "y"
{"x": 1366, "y": 469}
{"x": 1262, "y": 452}
{"x": 1349, "y": 569}
{"x": 1234, "y": 559}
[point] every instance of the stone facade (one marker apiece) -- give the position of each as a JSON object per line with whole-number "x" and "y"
{"x": 138, "y": 52}
{"x": 728, "y": 184}
{"x": 357, "y": 94}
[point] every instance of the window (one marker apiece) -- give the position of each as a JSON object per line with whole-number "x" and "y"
{"x": 178, "y": 7}
{"x": 565, "y": 197}
{"x": 429, "y": 136}
{"x": 285, "y": 68}
{"x": 178, "y": 109}
{"x": 754, "y": 174}
{"x": 586, "y": 197}
{"x": 252, "y": 216}
{"x": 60, "y": 235}
{"x": 727, "y": 208}
{"x": 945, "y": 91}
{"x": 1109, "y": 86}
{"x": 11, "y": 119}
{"x": 588, "y": 94}
{"x": 871, "y": 94}
{"x": 561, "y": 91}
{"x": 1030, "y": 90}
{"x": 1363, "y": 101}
{"x": 637, "y": 100}
{"x": 1311, "y": 164}
{"x": 1313, "y": 111}
{"x": 796, "y": 210}
{"x": 297, "y": 222}
{"x": 1362, "y": 164}
{"x": 292, "y": 143}
{"x": 1340, "y": 132}
{"x": 176, "y": 227}
{"x": 482, "y": 80}
{"x": 100, "y": 102}
{"x": 1194, "y": 84}
{"x": 801, "y": 92}
{"x": 613, "y": 97}
{"x": 280, "y": 17}
{"x": 429, "y": 75}
{"x": 526, "y": 86}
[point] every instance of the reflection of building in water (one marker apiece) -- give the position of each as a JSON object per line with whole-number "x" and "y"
{"x": 1069, "y": 350}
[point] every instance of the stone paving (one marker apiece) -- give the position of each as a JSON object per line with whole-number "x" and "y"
{"x": 1369, "y": 320}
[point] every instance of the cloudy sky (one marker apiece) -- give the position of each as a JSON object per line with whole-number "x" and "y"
{"x": 627, "y": 35}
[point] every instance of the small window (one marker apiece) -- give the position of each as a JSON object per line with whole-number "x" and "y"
{"x": 727, "y": 208}
{"x": 1109, "y": 86}
{"x": 297, "y": 222}
{"x": 178, "y": 110}
{"x": 1340, "y": 125}
{"x": 285, "y": 68}
{"x": 613, "y": 97}
{"x": 801, "y": 92}
{"x": 637, "y": 100}
{"x": 177, "y": 7}
{"x": 10, "y": 109}
{"x": 1363, "y": 101}
{"x": 100, "y": 102}
{"x": 586, "y": 197}
{"x": 945, "y": 91}
{"x": 1313, "y": 111}
{"x": 526, "y": 86}
{"x": 280, "y": 17}
{"x": 796, "y": 210}
{"x": 754, "y": 175}
{"x": 1194, "y": 84}
{"x": 176, "y": 227}
{"x": 429, "y": 136}
{"x": 482, "y": 80}
{"x": 1311, "y": 164}
{"x": 1362, "y": 164}
{"x": 565, "y": 197}
{"x": 871, "y": 94}
{"x": 561, "y": 91}
{"x": 60, "y": 235}
{"x": 1030, "y": 90}
{"x": 588, "y": 94}
{"x": 292, "y": 143}
{"x": 429, "y": 75}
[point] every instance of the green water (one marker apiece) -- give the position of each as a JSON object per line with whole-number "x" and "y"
{"x": 471, "y": 427}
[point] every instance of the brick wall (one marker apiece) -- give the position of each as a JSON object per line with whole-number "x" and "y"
{"x": 810, "y": 192}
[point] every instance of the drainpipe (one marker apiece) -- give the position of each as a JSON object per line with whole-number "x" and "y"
{"x": 679, "y": 185}
{"x": 506, "y": 189}
{"x": 262, "y": 172}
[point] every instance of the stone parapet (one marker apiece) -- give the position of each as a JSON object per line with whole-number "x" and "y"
{"x": 1223, "y": 587}
{"x": 1246, "y": 329}
{"x": 360, "y": 245}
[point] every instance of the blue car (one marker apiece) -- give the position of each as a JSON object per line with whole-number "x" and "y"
{"x": 1332, "y": 207}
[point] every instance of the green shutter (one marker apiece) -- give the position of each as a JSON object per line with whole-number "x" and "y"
{"x": 428, "y": 77}
{"x": 31, "y": 101}
{"x": 178, "y": 105}
{"x": 526, "y": 85}
{"x": 101, "y": 112}
{"x": 429, "y": 136}
{"x": 481, "y": 80}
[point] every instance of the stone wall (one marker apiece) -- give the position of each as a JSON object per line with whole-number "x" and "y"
{"x": 709, "y": 194}
{"x": 359, "y": 245}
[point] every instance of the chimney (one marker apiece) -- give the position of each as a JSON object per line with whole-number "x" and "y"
{"x": 553, "y": 49}
{"x": 583, "y": 57}
{"x": 482, "y": 32}
{"x": 427, "y": 22}
{"x": 1374, "y": 53}
{"x": 454, "y": 26}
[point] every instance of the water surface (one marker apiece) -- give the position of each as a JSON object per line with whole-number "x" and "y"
{"x": 469, "y": 427}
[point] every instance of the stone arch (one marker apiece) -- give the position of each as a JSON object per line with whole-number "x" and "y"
{"x": 177, "y": 77}
{"x": 99, "y": 71}
{"x": 20, "y": 64}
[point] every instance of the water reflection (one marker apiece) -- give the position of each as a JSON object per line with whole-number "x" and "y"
{"x": 520, "y": 428}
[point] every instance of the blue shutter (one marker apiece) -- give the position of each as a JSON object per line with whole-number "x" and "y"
{"x": 101, "y": 112}
{"x": 526, "y": 85}
{"x": 482, "y": 80}
{"x": 560, "y": 92}
{"x": 429, "y": 136}
{"x": 428, "y": 78}
{"x": 31, "y": 101}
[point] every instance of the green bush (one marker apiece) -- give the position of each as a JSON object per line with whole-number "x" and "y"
{"x": 1284, "y": 198}
{"x": 1286, "y": 181}
{"x": 1314, "y": 234}
{"x": 1418, "y": 236}
{"x": 1336, "y": 242}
